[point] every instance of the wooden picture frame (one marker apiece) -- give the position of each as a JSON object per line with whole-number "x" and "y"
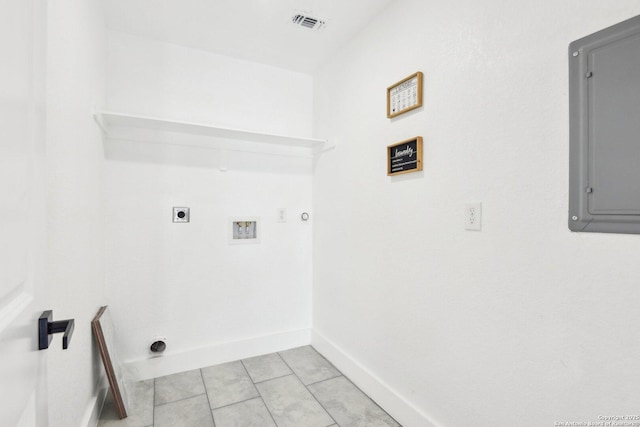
{"x": 102, "y": 327}
{"x": 406, "y": 95}
{"x": 404, "y": 157}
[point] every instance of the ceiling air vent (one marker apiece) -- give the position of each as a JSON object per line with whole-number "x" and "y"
{"x": 307, "y": 22}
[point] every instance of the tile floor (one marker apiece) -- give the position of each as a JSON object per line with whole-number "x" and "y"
{"x": 292, "y": 388}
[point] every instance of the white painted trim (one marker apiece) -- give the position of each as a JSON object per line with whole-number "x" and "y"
{"x": 200, "y": 357}
{"x": 94, "y": 408}
{"x": 13, "y": 309}
{"x": 396, "y": 405}
{"x": 28, "y": 417}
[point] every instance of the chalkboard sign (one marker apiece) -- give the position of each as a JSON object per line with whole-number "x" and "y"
{"x": 405, "y": 156}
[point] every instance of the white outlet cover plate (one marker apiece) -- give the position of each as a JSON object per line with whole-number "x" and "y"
{"x": 473, "y": 216}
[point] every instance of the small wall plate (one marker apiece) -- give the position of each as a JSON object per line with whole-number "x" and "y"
{"x": 180, "y": 214}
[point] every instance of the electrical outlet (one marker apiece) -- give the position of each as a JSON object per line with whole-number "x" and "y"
{"x": 180, "y": 214}
{"x": 473, "y": 216}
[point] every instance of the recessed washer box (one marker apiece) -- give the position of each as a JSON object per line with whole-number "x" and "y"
{"x": 604, "y": 103}
{"x": 245, "y": 230}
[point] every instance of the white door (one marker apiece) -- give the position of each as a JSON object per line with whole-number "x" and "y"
{"x": 23, "y": 400}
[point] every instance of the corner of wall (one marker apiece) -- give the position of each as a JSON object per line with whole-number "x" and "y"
{"x": 385, "y": 396}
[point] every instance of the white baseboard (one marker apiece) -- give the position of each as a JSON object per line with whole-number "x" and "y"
{"x": 201, "y": 357}
{"x": 397, "y": 406}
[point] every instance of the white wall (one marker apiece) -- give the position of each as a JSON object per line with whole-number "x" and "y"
{"x": 180, "y": 83}
{"x": 523, "y": 323}
{"x": 211, "y": 300}
{"x": 75, "y": 203}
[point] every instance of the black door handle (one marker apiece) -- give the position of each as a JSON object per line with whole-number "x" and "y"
{"x": 46, "y": 328}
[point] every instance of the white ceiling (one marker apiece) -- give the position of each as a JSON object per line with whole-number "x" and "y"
{"x": 254, "y": 30}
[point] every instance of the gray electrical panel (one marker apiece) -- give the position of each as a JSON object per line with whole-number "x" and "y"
{"x": 604, "y": 102}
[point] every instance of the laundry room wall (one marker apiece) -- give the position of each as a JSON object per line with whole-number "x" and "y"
{"x": 210, "y": 299}
{"x": 522, "y": 323}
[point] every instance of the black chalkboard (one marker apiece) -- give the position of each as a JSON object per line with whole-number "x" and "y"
{"x": 405, "y": 156}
